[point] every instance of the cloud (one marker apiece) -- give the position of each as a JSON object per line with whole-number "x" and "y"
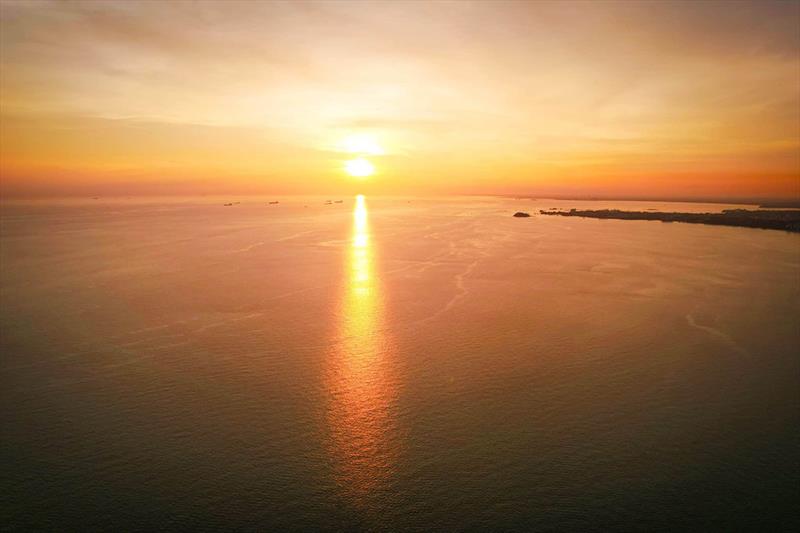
{"x": 521, "y": 84}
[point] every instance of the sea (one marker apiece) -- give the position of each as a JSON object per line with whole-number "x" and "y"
{"x": 394, "y": 364}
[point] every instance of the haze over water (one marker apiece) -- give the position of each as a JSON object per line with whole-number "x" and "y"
{"x": 178, "y": 363}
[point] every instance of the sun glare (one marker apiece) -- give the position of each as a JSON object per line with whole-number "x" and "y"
{"x": 359, "y": 167}
{"x": 361, "y": 144}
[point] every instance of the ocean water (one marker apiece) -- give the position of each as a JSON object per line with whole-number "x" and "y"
{"x": 394, "y": 364}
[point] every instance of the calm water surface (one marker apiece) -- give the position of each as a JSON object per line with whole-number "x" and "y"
{"x": 394, "y": 364}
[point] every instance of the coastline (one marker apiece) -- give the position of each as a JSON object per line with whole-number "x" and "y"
{"x": 785, "y": 220}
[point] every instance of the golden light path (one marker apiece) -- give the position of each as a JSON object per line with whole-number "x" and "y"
{"x": 359, "y": 378}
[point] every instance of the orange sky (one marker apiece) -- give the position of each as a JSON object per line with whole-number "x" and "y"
{"x": 582, "y": 99}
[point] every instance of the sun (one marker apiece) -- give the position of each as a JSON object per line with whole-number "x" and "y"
{"x": 359, "y": 167}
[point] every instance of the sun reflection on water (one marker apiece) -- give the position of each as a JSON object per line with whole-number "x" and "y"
{"x": 359, "y": 382}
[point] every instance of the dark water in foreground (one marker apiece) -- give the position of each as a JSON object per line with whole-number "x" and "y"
{"x": 394, "y": 365}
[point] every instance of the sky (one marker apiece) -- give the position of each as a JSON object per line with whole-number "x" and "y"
{"x": 582, "y": 99}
